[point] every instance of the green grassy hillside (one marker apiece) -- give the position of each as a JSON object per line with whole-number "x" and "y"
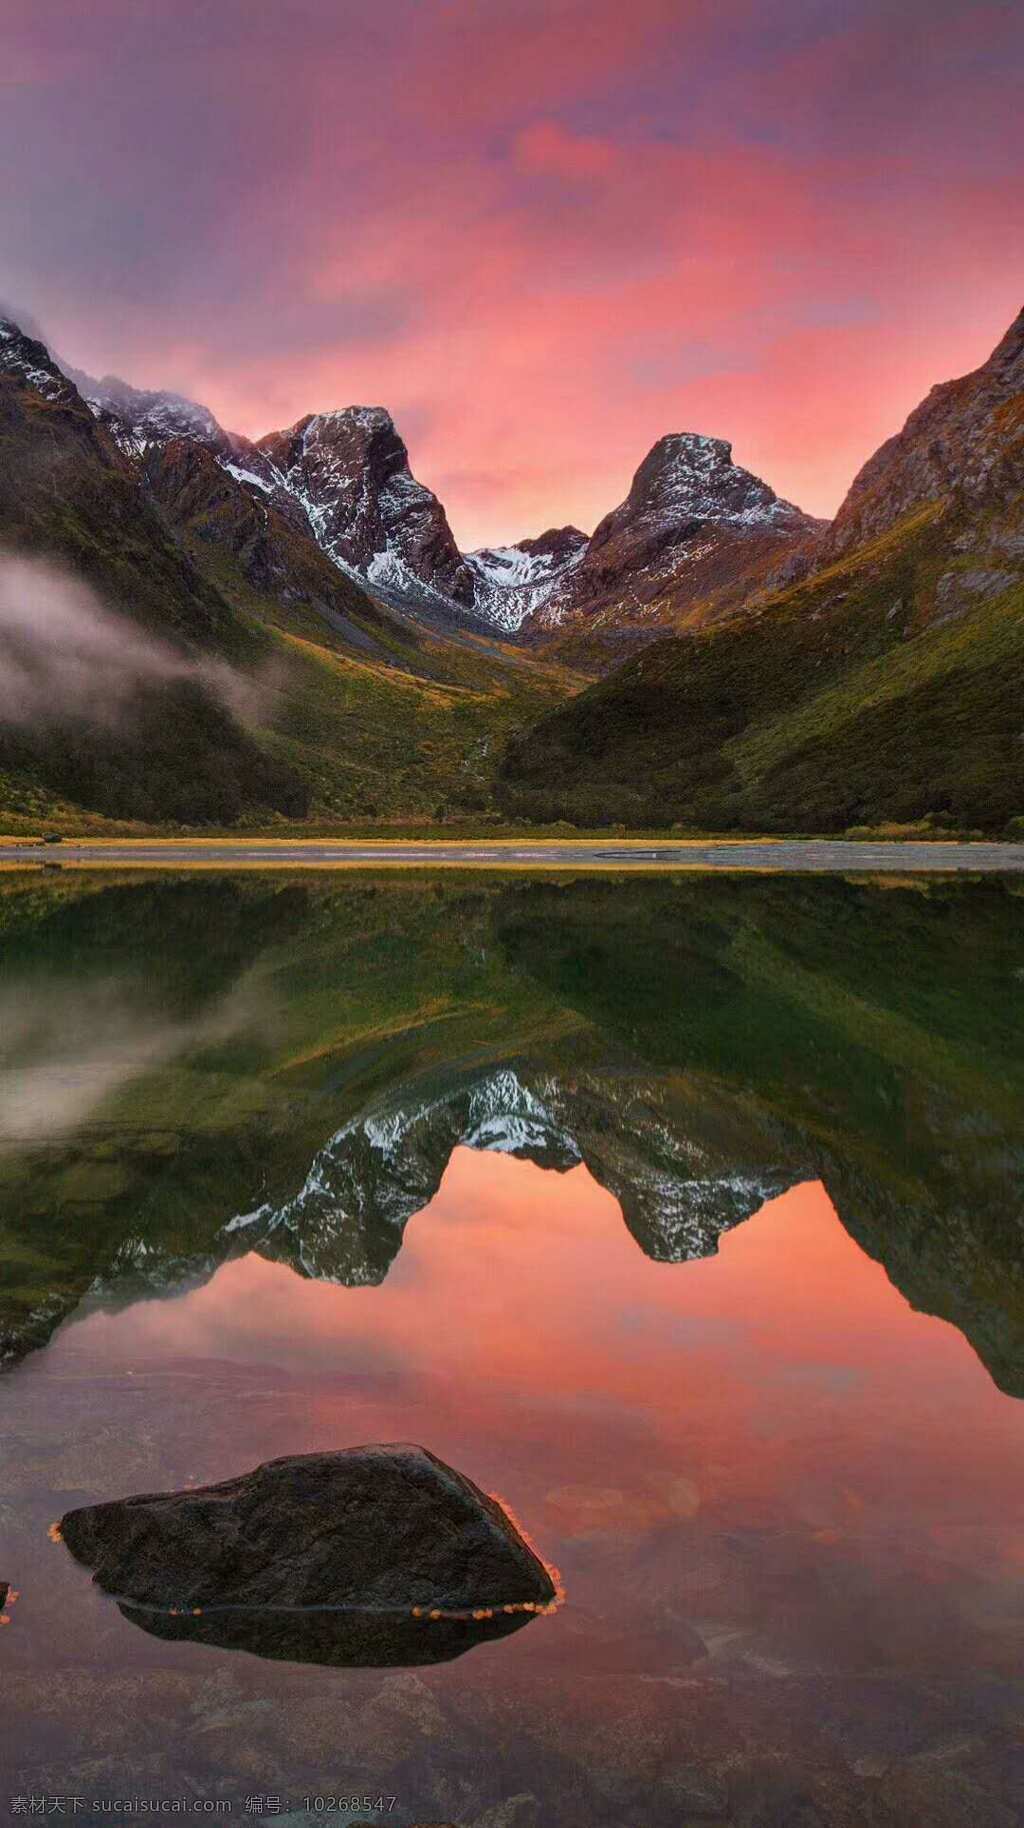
{"x": 884, "y": 688}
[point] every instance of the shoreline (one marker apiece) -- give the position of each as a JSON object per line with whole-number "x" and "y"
{"x": 759, "y": 855}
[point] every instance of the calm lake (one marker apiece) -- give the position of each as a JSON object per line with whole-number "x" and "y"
{"x": 683, "y": 1214}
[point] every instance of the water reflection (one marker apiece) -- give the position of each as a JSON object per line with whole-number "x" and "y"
{"x": 68, "y": 1048}
{"x": 331, "y": 1640}
{"x": 621, "y": 1197}
{"x": 763, "y": 1477}
{"x": 246, "y": 1063}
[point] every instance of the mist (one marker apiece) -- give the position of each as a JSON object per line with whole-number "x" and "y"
{"x": 65, "y": 656}
{"x": 25, "y": 320}
{"x": 68, "y": 1048}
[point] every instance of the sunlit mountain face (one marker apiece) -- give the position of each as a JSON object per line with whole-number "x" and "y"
{"x": 682, "y": 1215}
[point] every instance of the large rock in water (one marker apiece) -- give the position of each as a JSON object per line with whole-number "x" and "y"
{"x": 373, "y": 1555}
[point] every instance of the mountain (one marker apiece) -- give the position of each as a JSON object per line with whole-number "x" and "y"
{"x": 814, "y": 678}
{"x": 962, "y": 447}
{"x": 346, "y": 1222}
{"x": 882, "y": 683}
{"x": 694, "y": 536}
{"x": 341, "y": 478}
{"x": 176, "y": 750}
{"x": 328, "y": 700}
{"x": 350, "y": 471}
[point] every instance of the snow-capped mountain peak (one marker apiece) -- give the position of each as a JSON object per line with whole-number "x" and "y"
{"x": 346, "y": 1221}
{"x": 688, "y": 476}
{"x": 350, "y": 470}
{"x": 694, "y": 526}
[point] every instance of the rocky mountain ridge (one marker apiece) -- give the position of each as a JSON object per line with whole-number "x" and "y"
{"x": 350, "y": 472}
{"x": 26, "y": 359}
{"x": 693, "y": 525}
{"x": 71, "y": 498}
{"x": 139, "y": 417}
{"x": 963, "y": 445}
{"x": 695, "y": 538}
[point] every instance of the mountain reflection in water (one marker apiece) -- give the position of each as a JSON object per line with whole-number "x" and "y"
{"x": 614, "y": 1195}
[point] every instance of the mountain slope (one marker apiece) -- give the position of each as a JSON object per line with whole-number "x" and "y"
{"x": 963, "y": 445}
{"x": 349, "y": 708}
{"x": 884, "y": 685}
{"x": 175, "y": 751}
{"x": 67, "y": 488}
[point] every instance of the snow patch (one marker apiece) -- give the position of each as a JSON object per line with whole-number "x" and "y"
{"x": 510, "y": 583}
{"x": 249, "y": 476}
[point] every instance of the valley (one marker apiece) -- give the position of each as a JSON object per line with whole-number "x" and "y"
{"x": 710, "y": 659}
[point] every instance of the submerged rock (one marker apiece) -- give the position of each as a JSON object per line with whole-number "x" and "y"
{"x": 373, "y": 1555}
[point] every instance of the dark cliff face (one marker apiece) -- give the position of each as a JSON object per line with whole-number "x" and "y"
{"x": 350, "y": 470}
{"x": 964, "y": 443}
{"x": 69, "y": 493}
{"x": 76, "y": 495}
{"x": 107, "y": 483}
{"x": 340, "y": 479}
{"x": 260, "y": 534}
{"x": 27, "y": 361}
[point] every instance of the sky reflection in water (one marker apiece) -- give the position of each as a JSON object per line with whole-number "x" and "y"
{"x": 788, "y": 1509}
{"x": 765, "y": 1456}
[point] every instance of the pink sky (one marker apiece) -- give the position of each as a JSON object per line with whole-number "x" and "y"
{"x": 542, "y": 232}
